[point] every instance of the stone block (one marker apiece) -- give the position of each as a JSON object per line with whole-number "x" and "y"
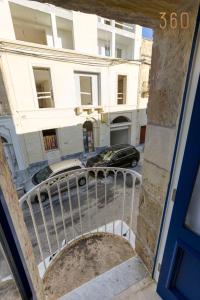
{"x": 146, "y": 234}
{"x": 146, "y": 256}
{"x": 159, "y": 145}
{"x": 155, "y": 181}
{"x": 150, "y": 210}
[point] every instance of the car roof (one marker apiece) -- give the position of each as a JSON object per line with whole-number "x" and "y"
{"x": 119, "y": 147}
{"x": 65, "y": 164}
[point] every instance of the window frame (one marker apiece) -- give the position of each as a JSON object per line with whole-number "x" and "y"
{"x": 125, "y": 76}
{"x": 42, "y": 66}
{"x": 57, "y": 140}
{"x": 95, "y": 82}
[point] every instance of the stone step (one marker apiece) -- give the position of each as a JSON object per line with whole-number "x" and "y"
{"x": 111, "y": 283}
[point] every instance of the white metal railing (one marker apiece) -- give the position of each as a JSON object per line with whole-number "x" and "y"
{"x": 69, "y": 205}
{"x": 124, "y": 26}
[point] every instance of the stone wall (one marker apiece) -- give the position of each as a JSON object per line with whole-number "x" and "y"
{"x": 145, "y": 56}
{"x": 171, "y": 51}
{"x": 19, "y": 225}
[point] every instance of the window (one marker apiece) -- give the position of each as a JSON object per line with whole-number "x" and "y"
{"x": 87, "y": 88}
{"x": 119, "y": 53}
{"x": 43, "y": 87}
{"x": 50, "y": 139}
{"x": 121, "y": 155}
{"x": 107, "y": 50}
{"x": 42, "y": 175}
{"x": 107, "y": 22}
{"x": 121, "y": 89}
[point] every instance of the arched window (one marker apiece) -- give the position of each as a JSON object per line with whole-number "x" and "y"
{"x": 88, "y": 136}
{"x": 120, "y": 119}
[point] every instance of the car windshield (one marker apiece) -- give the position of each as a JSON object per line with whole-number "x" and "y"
{"x": 107, "y": 154}
{"x": 42, "y": 175}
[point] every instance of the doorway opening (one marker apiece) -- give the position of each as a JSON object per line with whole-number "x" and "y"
{"x": 120, "y": 131}
{"x": 88, "y": 137}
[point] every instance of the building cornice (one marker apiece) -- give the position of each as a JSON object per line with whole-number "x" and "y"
{"x": 65, "y": 55}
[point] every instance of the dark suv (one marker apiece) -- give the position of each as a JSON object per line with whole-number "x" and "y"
{"x": 115, "y": 156}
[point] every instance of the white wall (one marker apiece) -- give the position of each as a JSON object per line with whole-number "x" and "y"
{"x": 6, "y": 26}
{"x": 23, "y": 98}
{"x": 137, "y": 41}
{"x": 65, "y": 39}
{"x": 85, "y": 33}
{"x": 30, "y": 33}
{"x": 132, "y": 73}
{"x": 34, "y": 147}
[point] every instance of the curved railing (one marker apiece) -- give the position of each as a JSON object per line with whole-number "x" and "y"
{"x": 69, "y": 205}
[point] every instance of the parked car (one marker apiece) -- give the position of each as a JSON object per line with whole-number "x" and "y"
{"x": 53, "y": 170}
{"x": 122, "y": 155}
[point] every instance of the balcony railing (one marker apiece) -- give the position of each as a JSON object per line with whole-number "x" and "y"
{"x": 124, "y": 26}
{"x": 120, "y": 25}
{"x": 70, "y": 205}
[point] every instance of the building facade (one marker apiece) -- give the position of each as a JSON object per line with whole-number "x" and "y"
{"x": 71, "y": 84}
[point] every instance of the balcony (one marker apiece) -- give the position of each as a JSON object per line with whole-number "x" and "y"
{"x": 81, "y": 224}
{"x": 120, "y": 25}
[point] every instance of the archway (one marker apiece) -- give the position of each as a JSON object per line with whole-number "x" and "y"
{"x": 88, "y": 136}
{"x": 120, "y": 131}
{"x": 120, "y": 119}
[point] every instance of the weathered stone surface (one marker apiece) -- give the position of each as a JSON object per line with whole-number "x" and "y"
{"x": 155, "y": 181}
{"x": 145, "y": 254}
{"x": 9, "y": 290}
{"x": 159, "y": 145}
{"x": 147, "y": 234}
{"x": 84, "y": 259}
{"x": 136, "y": 12}
{"x": 18, "y": 222}
{"x": 150, "y": 210}
{"x": 170, "y": 57}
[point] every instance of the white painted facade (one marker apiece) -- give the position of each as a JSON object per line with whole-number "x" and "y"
{"x": 68, "y": 45}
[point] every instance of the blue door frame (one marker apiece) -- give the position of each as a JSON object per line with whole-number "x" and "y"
{"x": 13, "y": 252}
{"x": 180, "y": 270}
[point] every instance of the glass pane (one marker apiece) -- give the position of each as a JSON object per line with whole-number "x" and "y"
{"x": 8, "y": 287}
{"x": 86, "y": 90}
{"x": 193, "y": 214}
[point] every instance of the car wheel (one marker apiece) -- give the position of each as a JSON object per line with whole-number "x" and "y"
{"x": 134, "y": 163}
{"x": 43, "y": 197}
{"x": 82, "y": 181}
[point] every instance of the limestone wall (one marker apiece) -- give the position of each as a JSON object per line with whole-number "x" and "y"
{"x": 171, "y": 51}
{"x": 19, "y": 225}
